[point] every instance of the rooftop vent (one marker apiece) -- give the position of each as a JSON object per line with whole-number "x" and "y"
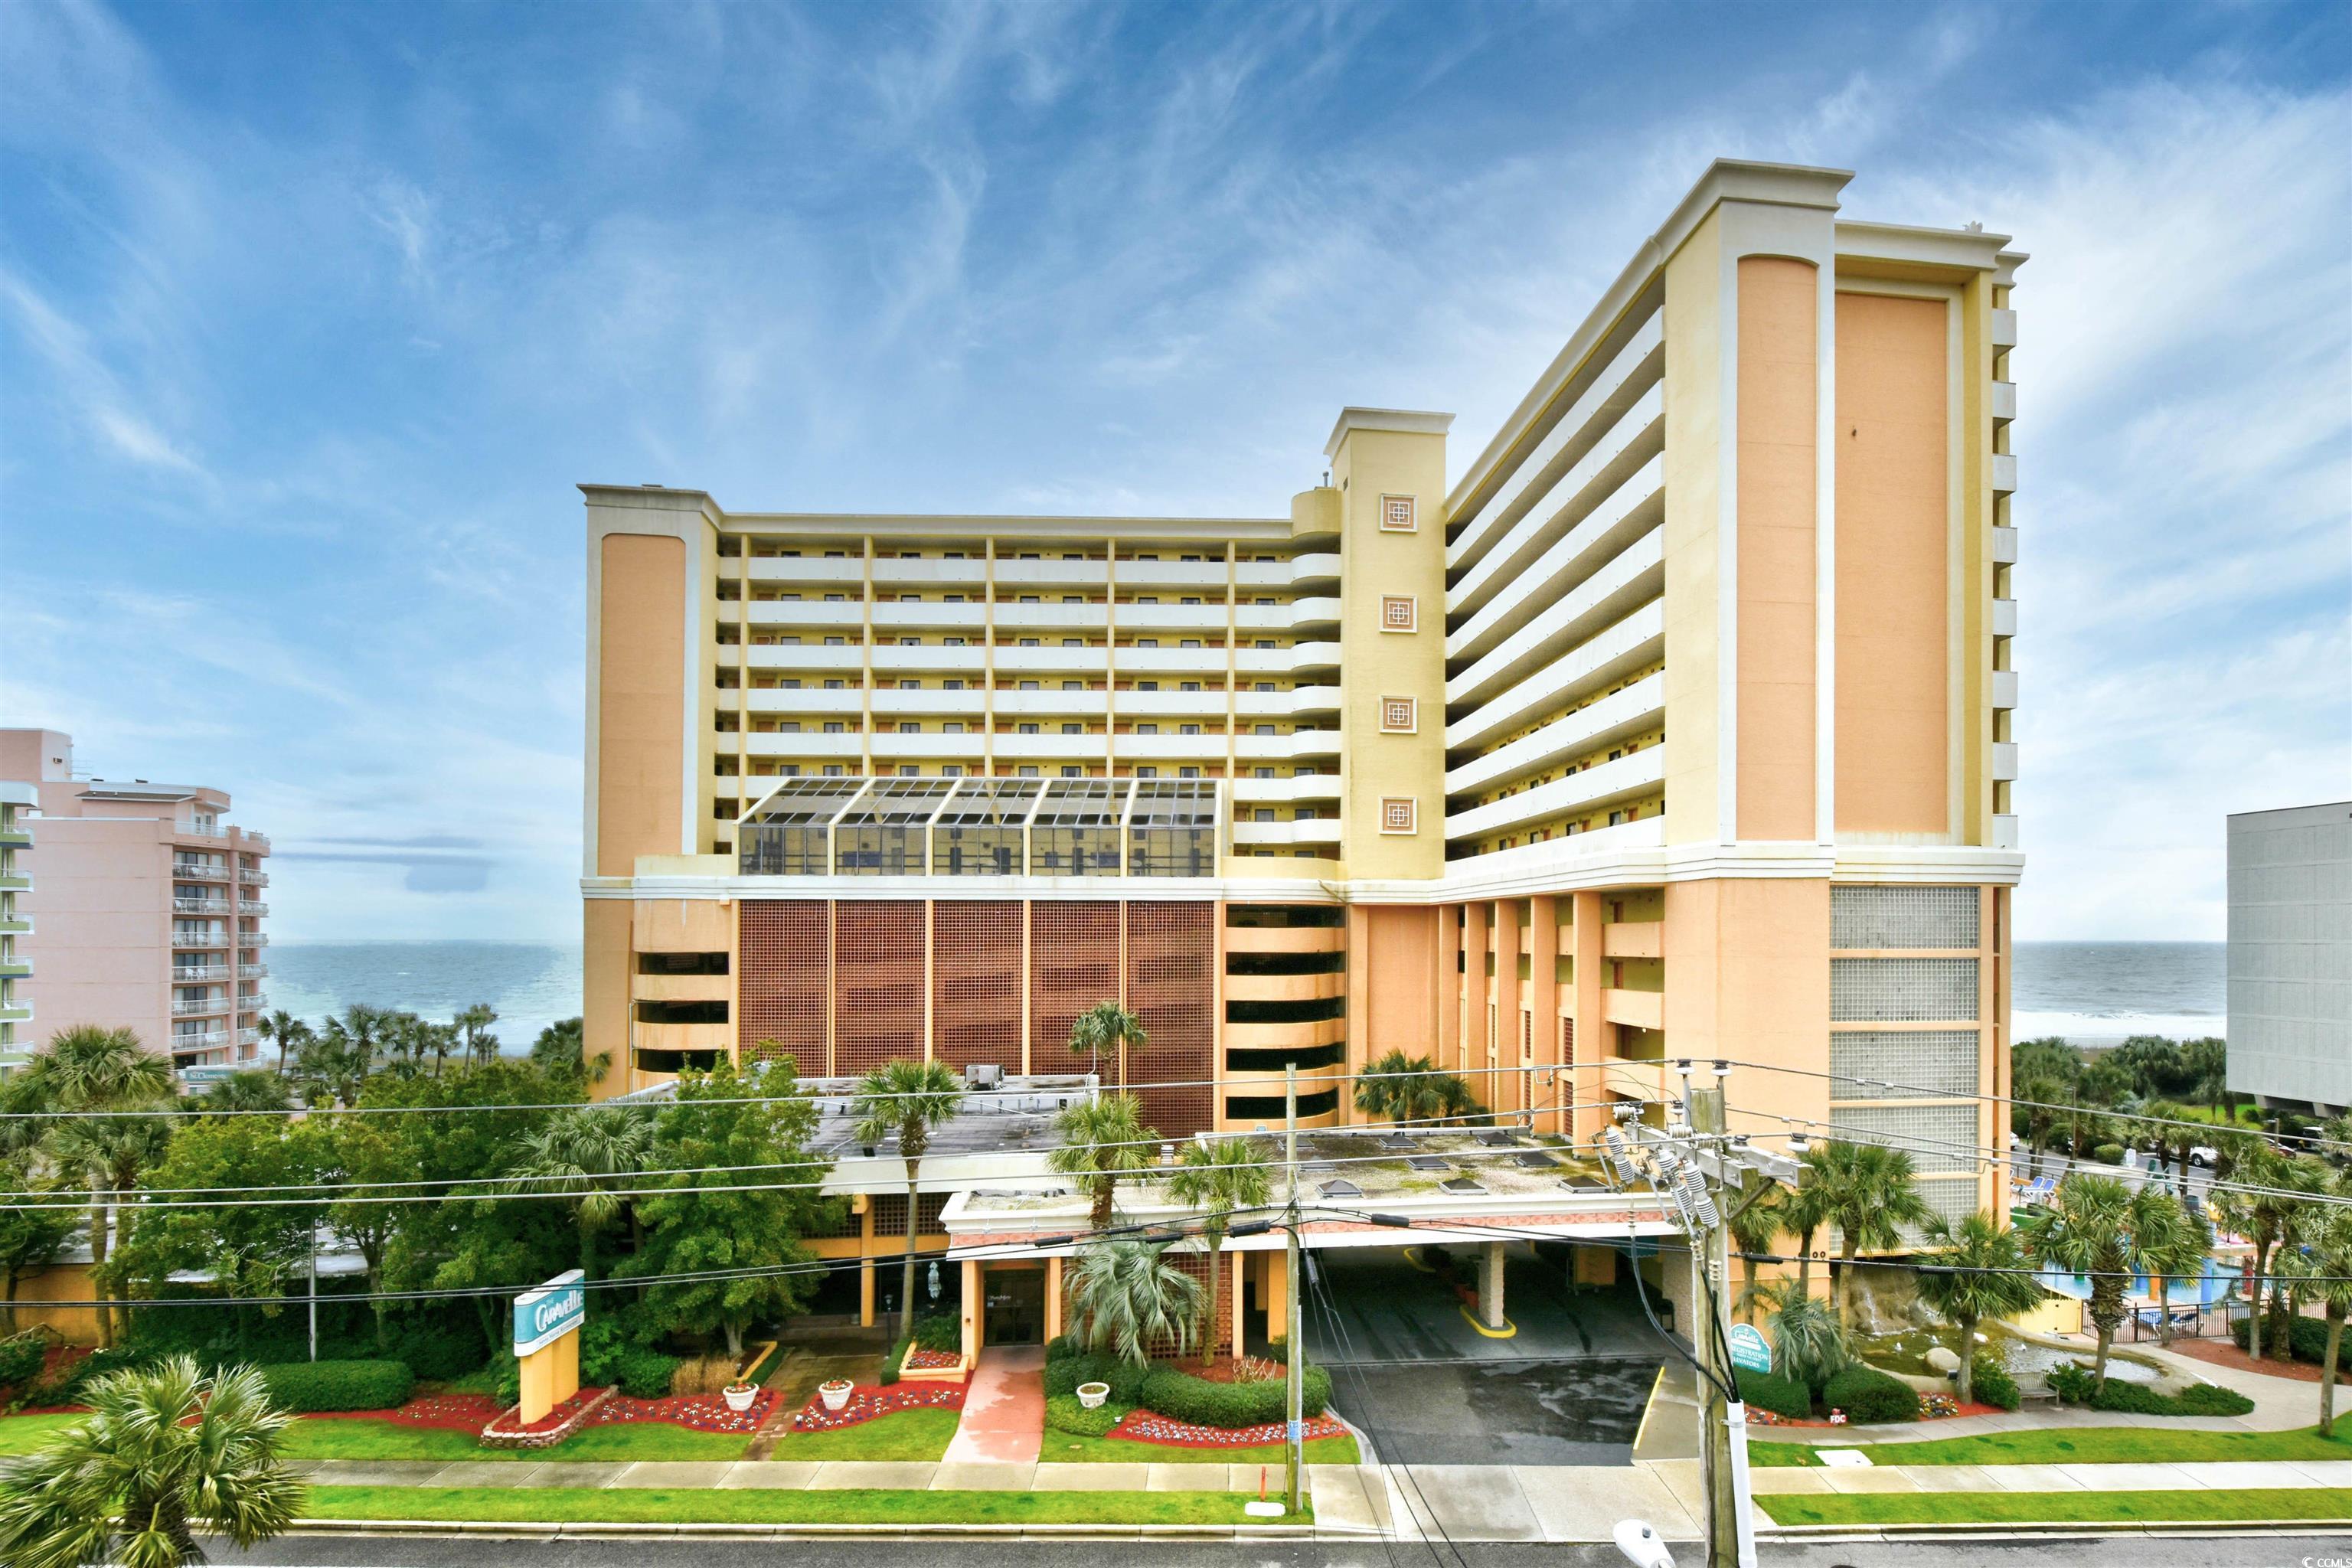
{"x": 1342, "y": 1188}
{"x": 1535, "y": 1160}
{"x": 1462, "y": 1185}
{"x": 1429, "y": 1163}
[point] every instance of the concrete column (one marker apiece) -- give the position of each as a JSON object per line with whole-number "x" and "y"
{"x": 975, "y": 1308}
{"x": 865, "y": 1292}
{"x": 1543, "y": 1001}
{"x": 1054, "y": 1298}
{"x": 1239, "y": 1293}
{"x": 1591, "y": 1035}
{"x": 1490, "y": 1285}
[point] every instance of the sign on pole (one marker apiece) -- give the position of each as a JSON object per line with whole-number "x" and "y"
{"x": 1749, "y": 1352}
{"x": 545, "y": 1315}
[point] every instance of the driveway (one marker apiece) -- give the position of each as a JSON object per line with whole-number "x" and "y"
{"x": 1410, "y": 1368}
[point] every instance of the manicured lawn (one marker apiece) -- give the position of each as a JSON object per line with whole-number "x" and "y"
{"x": 903, "y": 1434}
{"x": 22, "y": 1434}
{"x": 362, "y": 1439}
{"x": 1062, "y": 1447}
{"x": 573, "y": 1504}
{"x": 2056, "y": 1507}
{"x": 2081, "y": 1445}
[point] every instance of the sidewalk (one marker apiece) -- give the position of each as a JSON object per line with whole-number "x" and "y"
{"x": 2281, "y": 1405}
{"x": 1004, "y": 1419}
{"x": 2255, "y": 1476}
{"x": 784, "y": 1475}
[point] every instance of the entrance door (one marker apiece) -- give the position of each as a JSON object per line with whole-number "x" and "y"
{"x": 1016, "y": 1306}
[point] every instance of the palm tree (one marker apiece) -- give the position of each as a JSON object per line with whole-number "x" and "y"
{"x": 2275, "y": 1190}
{"x": 89, "y": 1069}
{"x": 1869, "y": 1193}
{"x": 165, "y": 1453}
{"x": 1105, "y": 1029}
{"x": 1215, "y": 1179}
{"x": 1809, "y": 1343}
{"x": 251, "y": 1089}
{"x": 2098, "y": 1227}
{"x": 1978, "y": 1272}
{"x": 2324, "y": 1262}
{"x": 2179, "y": 1254}
{"x": 592, "y": 1155}
{"x": 1410, "y": 1089}
{"x": 1755, "y": 1226}
{"x": 1126, "y": 1296}
{"x": 285, "y": 1029}
{"x": 474, "y": 1026}
{"x": 1102, "y": 1139}
{"x": 909, "y": 1099}
{"x": 1804, "y": 1210}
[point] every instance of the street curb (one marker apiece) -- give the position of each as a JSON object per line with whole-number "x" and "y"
{"x": 2087, "y": 1530}
{"x": 618, "y": 1529}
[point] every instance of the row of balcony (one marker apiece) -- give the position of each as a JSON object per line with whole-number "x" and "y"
{"x": 1015, "y": 573}
{"x": 1596, "y": 788}
{"x": 1639, "y": 706}
{"x": 970, "y": 659}
{"x": 972, "y": 744}
{"x": 1207, "y": 705}
{"x": 935, "y": 614}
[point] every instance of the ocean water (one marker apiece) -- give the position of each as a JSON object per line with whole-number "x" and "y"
{"x": 532, "y": 985}
{"x": 2090, "y": 991}
{"x": 2100, "y": 993}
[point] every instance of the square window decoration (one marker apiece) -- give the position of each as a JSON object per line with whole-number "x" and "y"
{"x": 1397, "y": 613}
{"x": 1396, "y": 715}
{"x": 1397, "y": 514}
{"x": 1397, "y": 813}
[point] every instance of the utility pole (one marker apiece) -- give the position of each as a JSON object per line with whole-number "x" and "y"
{"x": 314, "y": 1289}
{"x": 1724, "y": 1475}
{"x": 1293, "y": 1363}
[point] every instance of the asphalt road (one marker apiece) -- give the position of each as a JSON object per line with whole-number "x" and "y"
{"x": 2117, "y": 1551}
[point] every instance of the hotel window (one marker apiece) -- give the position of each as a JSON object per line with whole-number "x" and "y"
{"x": 1147, "y": 642}
{"x": 833, "y": 770}
{"x": 833, "y": 727}
{"x": 1188, "y": 642}
{"x": 1072, "y": 771}
{"x": 1147, "y": 728}
{"x": 1074, "y": 686}
{"x": 955, "y": 685}
{"x": 1190, "y": 600}
{"x": 951, "y": 642}
{"x": 1263, "y": 773}
{"x": 1074, "y": 729}
{"x": 1397, "y": 613}
{"x": 837, "y": 642}
{"x": 1262, "y": 813}
{"x": 1264, "y": 729}
{"x": 1188, "y": 729}
{"x": 1030, "y": 599}
{"x": 1147, "y": 686}
{"x": 1397, "y": 813}
{"x": 837, "y": 599}
{"x": 1030, "y": 642}
{"x": 1147, "y": 772}
{"x": 1029, "y": 685}
{"x": 951, "y": 727}
{"x": 952, "y": 770}
{"x": 1067, "y": 642}
{"x": 1026, "y": 730}
{"x": 1188, "y": 773}
{"x": 1396, "y": 715}
{"x": 1147, "y": 598}
{"x": 950, "y": 598}
{"x": 1027, "y": 771}
{"x": 1397, "y": 514}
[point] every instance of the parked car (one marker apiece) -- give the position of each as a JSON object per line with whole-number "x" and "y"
{"x": 2204, "y": 1154}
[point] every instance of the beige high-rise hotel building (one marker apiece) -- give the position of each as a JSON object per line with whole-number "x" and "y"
{"x": 1673, "y": 721}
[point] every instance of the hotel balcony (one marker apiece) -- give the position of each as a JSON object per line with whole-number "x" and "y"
{"x": 1307, "y": 787}
{"x": 16, "y": 1010}
{"x": 2004, "y": 832}
{"x": 842, "y": 656}
{"x": 1017, "y": 661}
{"x": 1597, "y": 787}
{"x": 16, "y": 966}
{"x": 2004, "y": 689}
{"x": 252, "y": 879}
{"x": 252, "y": 939}
{"x": 1620, "y": 716}
{"x": 201, "y": 870}
{"x": 253, "y": 908}
{"x": 2004, "y": 546}
{"x": 186, "y": 940}
{"x": 2005, "y": 617}
{"x": 16, "y": 835}
{"x": 1014, "y": 618}
{"x": 208, "y": 1040}
{"x": 1311, "y": 830}
{"x": 198, "y": 1006}
{"x": 16, "y": 925}
{"x": 1626, "y": 938}
{"x": 2004, "y": 760}
{"x": 258, "y": 840}
{"x": 198, "y": 973}
{"x": 201, "y": 906}
{"x": 797, "y": 569}
{"x": 1208, "y": 575}
{"x": 251, "y": 970}
{"x": 837, "y": 746}
{"x": 15, "y": 882}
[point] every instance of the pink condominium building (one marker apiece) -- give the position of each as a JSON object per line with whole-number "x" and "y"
{"x": 138, "y": 906}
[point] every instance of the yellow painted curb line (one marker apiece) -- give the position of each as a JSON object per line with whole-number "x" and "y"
{"x": 1413, "y": 1258}
{"x": 1508, "y": 1330}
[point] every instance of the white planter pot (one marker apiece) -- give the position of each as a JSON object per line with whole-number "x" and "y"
{"x": 1092, "y": 1394}
{"x": 739, "y": 1399}
{"x": 835, "y": 1394}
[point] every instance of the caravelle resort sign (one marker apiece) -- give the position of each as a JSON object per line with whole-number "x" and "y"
{"x": 554, "y": 1310}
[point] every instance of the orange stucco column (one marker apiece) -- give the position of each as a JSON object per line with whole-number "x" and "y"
{"x": 975, "y": 1305}
{"x": 1502, "y": 1088}
{"x": 1592, "y": 1037}
{"x": 1053, "y": 1298}
{"x": 1543, "y": 1003}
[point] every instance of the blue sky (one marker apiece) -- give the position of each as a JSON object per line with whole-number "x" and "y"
{"x": 311, "y": 317}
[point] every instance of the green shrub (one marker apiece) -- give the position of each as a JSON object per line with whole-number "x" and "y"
{"x": 509, "y": 1383}
{"x": 1180, "y": 1397}
{"x": 938, "y": 1332}
{"x": 1868, "y": 1396}
{"x": 304, "y": 1386}
{"x": 2108, "y": 1154}
{"x": 441, "y": 1351}
{"x": 2306, "y": 1341}
{"x": 1065, "y": 1413}
{"x": 21, "y": 1359}
{"x": 1992, "y": 1386}
{"x": 890, "y": 1363}
{"x": 2071, "y": 1383}
{"x": 1126, "y": 1378}
{"x": 1782, "y": 1396}
{"x": 1061, "y": 1347}
{"x": 643, "y": 1373}
{"x": 63, "y": 1384}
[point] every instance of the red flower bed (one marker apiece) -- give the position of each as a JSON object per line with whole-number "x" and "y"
{"x": 451, "y": 1412}
{"x": 1932, "y": 1407}
{"x": 919, "y": 1360}
{"x": 1143, "y": 1427}
{"x": 702, "y": 1411}
{"x": 866, "y": 1404}
{"x": 563, "y": 1413}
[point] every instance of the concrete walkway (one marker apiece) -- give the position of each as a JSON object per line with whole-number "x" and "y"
{"x": 2281, "y": 1405}
{"x": 2248, "y": 1476}
{"x": 784, "y": 1475}
{"x": 1004, "y": 1419}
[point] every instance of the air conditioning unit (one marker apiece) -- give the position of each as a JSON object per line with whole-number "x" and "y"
{"x": 983, "y": 1075}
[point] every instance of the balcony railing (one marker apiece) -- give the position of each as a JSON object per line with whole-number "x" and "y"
{"x": 253, "y": 907}
{"x": 201, "y": 870}
{"x": 252, "y": 939}
{"x": 258, "y": 840}
{"x": 209, "y": 1040}
{"x": 198, "y": 973}
{"x": 252, "y": 971}
{"x": 250, "y": 878}
{"x": 198, "y": 1006}
{"x": 198, "y": 939}
{"x": 200, "y": 906}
